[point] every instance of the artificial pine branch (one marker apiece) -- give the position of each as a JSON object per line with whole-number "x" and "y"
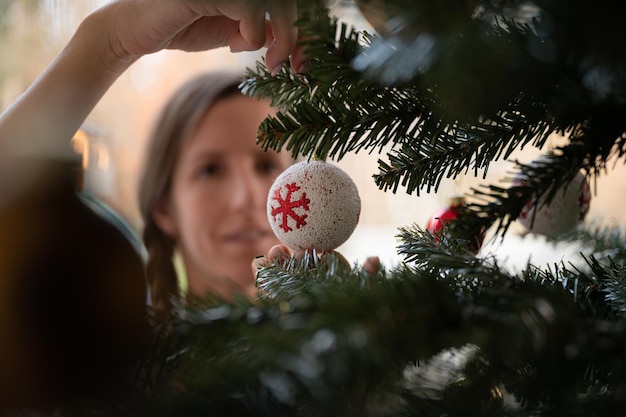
{"x": 431, "y": 118}
{"x": 452, "y": 260}
{"x": 605, "y": 243}
{"x": 598, "y": 295}
{"x": 326, "y": 115}
{"x": 489, "y": 204}
{"x": 327, "y": 339}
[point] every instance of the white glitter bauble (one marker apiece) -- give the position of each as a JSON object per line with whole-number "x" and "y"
{"x": 313, "y": 205}
{"x": 567, "y": 209}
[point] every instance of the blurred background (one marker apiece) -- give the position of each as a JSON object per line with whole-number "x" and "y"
{"x": 111, "y": 142}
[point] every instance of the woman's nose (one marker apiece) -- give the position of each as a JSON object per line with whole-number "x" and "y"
{"x": 248, "y": 190}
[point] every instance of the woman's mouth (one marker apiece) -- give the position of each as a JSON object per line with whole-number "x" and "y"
{"x": 246, "y": 237}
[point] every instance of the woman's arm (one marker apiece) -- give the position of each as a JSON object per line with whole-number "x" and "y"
{"x": 113, "y": 37}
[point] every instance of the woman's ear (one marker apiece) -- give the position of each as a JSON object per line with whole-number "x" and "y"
{"x": 164, "y": 218}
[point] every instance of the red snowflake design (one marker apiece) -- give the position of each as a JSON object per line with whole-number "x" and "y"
{"x": 286, "y": 206}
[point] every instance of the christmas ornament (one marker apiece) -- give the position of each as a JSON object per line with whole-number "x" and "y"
{"x": 567, "y": 209}
{"x": 313, "y": 205}
{"x": 448, "y": 214}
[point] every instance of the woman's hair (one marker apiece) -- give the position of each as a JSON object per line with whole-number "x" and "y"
{"x": 177, "y": 121}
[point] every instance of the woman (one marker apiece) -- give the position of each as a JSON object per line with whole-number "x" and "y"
{"x": 203, "y": 191}
{"x": 40, "y": 123}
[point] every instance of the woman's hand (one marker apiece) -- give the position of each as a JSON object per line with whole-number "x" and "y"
{"x": 138, "y": 27}
{"x": 109, "y": 40}
{"x": 282, "y": 253}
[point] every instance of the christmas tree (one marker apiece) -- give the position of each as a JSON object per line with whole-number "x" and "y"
{"x": 450, "y": 87}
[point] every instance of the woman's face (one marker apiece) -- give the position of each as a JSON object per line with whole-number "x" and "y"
{"x": 216, "y": 210}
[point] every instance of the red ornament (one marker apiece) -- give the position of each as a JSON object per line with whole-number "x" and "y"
{"x": 447, "y": 215}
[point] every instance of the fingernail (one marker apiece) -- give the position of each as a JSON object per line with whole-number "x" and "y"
{"x": 280, "y": 255}
{"x": 277, "y": 69}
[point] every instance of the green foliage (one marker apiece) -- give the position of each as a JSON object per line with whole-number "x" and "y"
{"x": 442, "y": 334}
{"x": 446, "y": 90}
{"x": 451, "y": 96}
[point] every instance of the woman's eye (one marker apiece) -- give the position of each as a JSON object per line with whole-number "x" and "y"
{"x": 268, "y": 167}
{"x": 208, "y": 170}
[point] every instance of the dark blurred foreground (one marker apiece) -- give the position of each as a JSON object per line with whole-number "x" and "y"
{"x": 72, "y": 291}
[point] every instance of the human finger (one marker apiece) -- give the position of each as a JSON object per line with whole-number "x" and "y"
{"x": 327, "y": 258}
{"x": 371, "y": 265}
{"x": 259, "y": 262}
{"x": 252, "y": 32}
{"x": 283, "y": 16}
{"x": 298, "y": 60}
{"x": 279, "y": 253}
{"x": 313, "y": 258}
{"x": 276, "y": 254}
{"x": 206, "y": 33}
